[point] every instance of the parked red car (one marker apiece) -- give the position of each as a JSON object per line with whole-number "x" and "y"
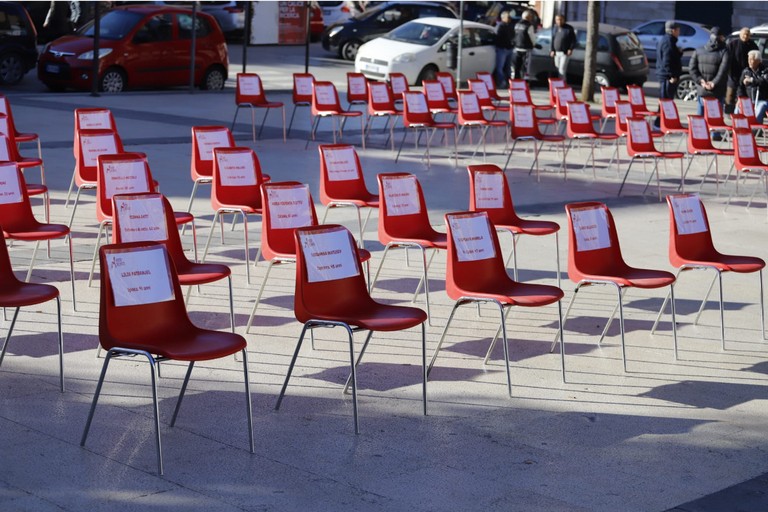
{"x": 140, "y": 46}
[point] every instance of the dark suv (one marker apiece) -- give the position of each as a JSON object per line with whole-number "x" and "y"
{"x": 346, "y": 37}
{"x": 18, "y": 43}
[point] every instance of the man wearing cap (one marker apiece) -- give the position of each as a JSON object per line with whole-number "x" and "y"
{"x": 669, "y": 65}
{"x": 738, "y": 50}
{"x": 709, "y": 68}
{"x": 505, "y": 43}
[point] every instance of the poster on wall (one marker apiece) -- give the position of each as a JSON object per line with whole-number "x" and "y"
{"x": 292, "y": 22}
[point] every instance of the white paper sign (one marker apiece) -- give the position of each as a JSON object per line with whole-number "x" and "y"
{"x": 139, "y": 276}
{"x": 329, "y": 255}
{"x": 4, "y": 128}
{"x": 578, "y": 113}
{"x": 357, "y": 86}
{"x": 289, "y": 206}
{"x": 416, "y": 103}
{"x": 639, "y": 132}
{"x": 489, "y": 191}
{"x": 402, "y": 195}
{"x": 324, "y": 95}
{"x": 591, "y": 228}
{"x": 236, "y": 169}
{"x": 487, "y": 80}
{"x": 341, "y": 164}
{"x": 519, "y": 85}
{"x": 379, "y": 93}
{"x": 398, "y": 84}
{"x": 447, "y": 83}
{"x": 141, "y": 219}
{"x": 713, "y": 108}
{"x": 523, "y": 116}
{"x": 518, "y": 96}
{"x": 95, "y": 145}
{"x": 611, "y": 97}
{"x": 207, "y": 140}
{"x": 303, "y": 85}
{"x": 698, "y": 127}
{"x": 469, "y": 103}
{"x": 565, "y": 95}
{"x": 10, "y": 187}
{"x": 480, "y": 89}
{"x": 688, "y": 214}
{"x": 556, "y": 83}
{"x": 5, "y": 155}
{"x": 747, "y": 108}
{"x": 435, "y": 91}
{"x": 472, "y": 237}
{"x": 635, "y": 96}
{"x": 740, "y": 122}
{"x": 670, "y": 112}
{"x": 4, "y": 105}
{"x": 624, "y": 111}
{"x": 746, "y": 145}
{"x": 250, "y": 85}
{"x": 95, "y": 120}
{"x": 125, "y": 177}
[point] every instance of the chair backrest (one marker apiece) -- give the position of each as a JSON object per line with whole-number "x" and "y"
{"x": 670, "y": 118}
{"x": 480, "y": 88}
{"x": 490, "y": 83}
{"x": 287, "y": 205}
{"x": 689, "y": 235}
{"x": 204, "y": 140}
{"x": 8, "y": 280}
{"x": 521, "y": 96}
{"x": 698, "y": 135}
{"x": 593, "y": 244}
{"x": 9, "y": 151}
{"x": 140, "y": 296}
{"x": 639, "y": 139}
{"x": 15, "y": 209}
{"x": 92, "y": 144}
{"x": 636, "y": 98}
{"x": 474, "y": 261}
{"x": 623, "y": 112}
{"x": 713, "y": 112}
{"x": 341, "y": 175}
{"x": 518, "y": 84}
{"x": 6, "y": 150}
{"x": 747, "y": 109}
{"x": 415, "y": 109}
{"x": 448, "y": 83}
{"x": 302, "y": 88}
{"x": 399, "y": 84}
{"x": 380, "y": 98}
{"x": 489, "y": 193}
{"x": 125, "y": 173}
{"x": 522, "y": 121}
{"x": 402, "y": 211}
{"x": 563, "y": 96}
{"x": 329, "y": 279}
{"x": 740, "y": 122}
{"x": 5, "y": 108}
{"x": 357, "y": 88}
{"x": 579, "y": 121}
{"x": 325, "y": 99}
{"x": 470, "y": 111}
{"x": 435, "y": 94}
{"x": 554, "y": 84}
{"x": 92, "y": 119}
{"x": 610, "y": 95}
{"x": 249, "y": 90}
{"x": 745, "y": 154}
{"x": 237, "y": 178}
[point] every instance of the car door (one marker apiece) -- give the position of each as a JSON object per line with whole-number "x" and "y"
{"x": 204, "y": 50}
{"x": 649, "y": 35}
{"x": 149, "y": 54}
{"x": 478, "y": 53}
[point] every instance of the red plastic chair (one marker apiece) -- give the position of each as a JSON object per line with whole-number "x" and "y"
{"x": 204, "y": 140}
{"x": 746, "y": 108}
{"x": 594, "y": 258}
{"x": 237, "y": 181}
{"x": 670, "y": 119}
{"x": 741, "y": 122}
{"x": 637, "y": 100}
{"x": 490, "y": 84}
{"x": 691, "y": 248}
{"x": 404, "y": 222}
{"x": 699, "y": 143}
{"x": 20, "y": 224}
{"x": 18, "y": 294}
{"x": 523, "y": 125}
{"x": 519, "y": 92}
{"x": 249, "y": 93}
{"x": 9, "y": 153}
{"x": 302, "y": 94}
{"x": 437, "y": 100}
{"x": 325, "y": 103}
{"x": 475, "y": 273}
{"x": 553, "y": 84}
{"x": 399, "y": 84}
{"x": 416, "y": 115}
{"x": 449, "y": 85}
{"x": 331, "y": 292}
{"x": 21, "y": 137}
{"x": 484, "y": 97}
{"x": 713, "y": 113}
{"x": 342, "y": 183}
{"x": 471, "y": 115}
{"x": 580, "y": 125}
{"x": 381, "y": 103}
{"x": 154, "y": 324}
{"x": 563, "y": 96}
{"x": 357, "y": 89}
{"x": 746, "y": 160}
{"x": 609, "y": 95}
{"x": 89, "y": 119}
{"x": 489, "y": 193}
{"x": 640, "y": 146}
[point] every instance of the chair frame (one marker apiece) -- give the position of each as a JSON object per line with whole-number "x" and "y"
{"x": 254, "y": 102}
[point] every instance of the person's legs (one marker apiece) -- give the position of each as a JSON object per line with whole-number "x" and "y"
{"x": 507, "y": 67}
{"x": 760, "y": 109}
{"x": 519, "y": 63}
{"x": 498, "y": 72}
{"x": 561, "y": 63}
{"x": 730, "y": 100}
{"x": 700, "y": 106}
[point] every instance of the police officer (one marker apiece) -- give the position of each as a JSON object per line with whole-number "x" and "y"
{"x": 524, "y": 40}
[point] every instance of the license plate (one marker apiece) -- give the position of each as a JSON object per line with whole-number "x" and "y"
{"x": 635, "y": 59}
{"x": 52, "y": 68}
{"x": 327, "y": 12}
{"x": 371, "y": 67}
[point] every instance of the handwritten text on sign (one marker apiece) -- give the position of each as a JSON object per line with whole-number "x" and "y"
{"x": 487, "y": 79}
{"x": 141, "y": 219}
{"x": 139, "y": 276}
{"x": 670, "y": 112}
{"x": 523, "y": 116}
{"x": 435, "y": 91}
{"x": 481, "y": 90}
{"x": 469, "y": 104}
{"x": 519, "y": 96}
{"x": 329, "y": 254}
{"x": 688, "y": 215}
{"x": 489, "y": 189}
{"x": 95, "y": 145}
{"x": 713, "y": 109}
{"x": 446, "y": 82}
{"x": 472, "y": 236}
{"x": 236, "y": 169}
{"x": 324, "y": 95}
{"x": 635, "y": 96}
{"x": 357, "y": 85}
{"x": 416, "y": 103}
{"x": 4, "y": 128}
{"x": 4, "y": 150}
{"x": 639, "y": 132}
{"x": 10, "y": 188}
{"x": 624, "y": 111}
{"x": 206, "y": 141}
{"x": 125, "y": 177}
{"x": 747, "y": 108}
{"x": 590, "y": 226}
{"x": 341, "y": 164}
{"x": 249, "y": 85}
{"x": 379, "y": 94}
{"x": 289, "y": 206}
{"x": 402, "y": 195}
{"x": 303, "y": 85}
{"x": 698, "y": 127}
{"x": 611, "y": 97}
{"x": 399, "y": 85}
{"x": 95, "y": 120}
{"x": 746, "y": 145}
{"x": 578, "y": 113}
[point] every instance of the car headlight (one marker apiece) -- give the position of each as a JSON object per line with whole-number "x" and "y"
{"x": 103, "y": 52}
{"x": 405, "y": 57}
{"x": 335, "y": 30}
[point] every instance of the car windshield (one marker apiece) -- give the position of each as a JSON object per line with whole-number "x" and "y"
{"x": 418, "y": 33}
{"x": 628, "y": 41}
{"x": 113, "y": 25}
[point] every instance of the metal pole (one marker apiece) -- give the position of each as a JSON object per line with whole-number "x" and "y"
{"x": 95, "y": 70}
{"x": 306, "y": 40}
{"x": 461, "y": 45}
{"x": 193, "y": 49}
{"x": 247, "y": 31}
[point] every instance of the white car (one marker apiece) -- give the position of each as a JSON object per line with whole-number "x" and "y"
{"x": 417, "y": 49}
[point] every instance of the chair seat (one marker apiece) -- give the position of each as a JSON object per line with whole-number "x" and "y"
{"x": 375, "y": 316}
{"x": 36, "y": 189}
{"x": 661, "y": 154}
{"x": 439, "y": 125}
{"x": 730, "y": 263}
{"x": 518, "y": 294}
{"x": 371, "y": 201}
{"x": 343, "y": 113}
{"x": 636, "y": 277}
{"x": 201, "y": 273}
{"x": 31, "y": 161}
{"x": 269, "y": 104}
{"x": 531, "y": 227}
{"x": 25, "y": 137}
{"x": 183, "y": 218}
{"x": 435, "y": 241}
{"x": 715, "y": 151}
{"x": 35, "y": 231}
{"x": 546, "y": 120}
{"x": 20, "y": 294}
{"x": 192, "y": 344}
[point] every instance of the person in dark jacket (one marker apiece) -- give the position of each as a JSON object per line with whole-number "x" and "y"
{"x": 709, "y": 68}
{"x": 505, "y": 42}
{"x": 525, "y": 35}
{"x": 753, "y": 83}
{"x": 738, "y": 49}
{"x": 563, "y": 43}
{"x": 669, "y": 64}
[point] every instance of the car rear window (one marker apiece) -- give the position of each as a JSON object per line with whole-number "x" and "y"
{"x": 11, "y": 24}
{"x": 418, "y": 33}
{"x": 628, "y": 42}
{"x": 202, "y": 27}
{"x": 113, "y": 25}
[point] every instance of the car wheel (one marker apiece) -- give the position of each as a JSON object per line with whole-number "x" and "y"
{"x": 686, "y": 89}
{"x": 214, "y": 79}
{"x": 113, "y": 80}
{"x": 428, "y": 73}
{"x": 349, "y": 49}
{"x": 11, "y": 68}
{"x": 601, "y": 79}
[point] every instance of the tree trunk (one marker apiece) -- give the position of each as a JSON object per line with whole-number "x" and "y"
{"x": 590, "y": 53}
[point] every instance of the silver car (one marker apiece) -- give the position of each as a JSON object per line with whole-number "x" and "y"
{"x": 692, "y": 35}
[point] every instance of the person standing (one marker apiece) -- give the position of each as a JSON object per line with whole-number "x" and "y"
{"x": 709, "y": 68}
{"x": 563, "y": 43}
{"x": 505, "y": 42}
{"x": 753, "y": 83}
{"x": 669, "y": 64}
{"x": 738, "y": 49}
{"x": 525, "y": 35}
